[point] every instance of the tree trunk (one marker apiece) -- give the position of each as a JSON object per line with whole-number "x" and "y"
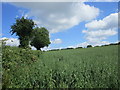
{"x": 38, "y": 49}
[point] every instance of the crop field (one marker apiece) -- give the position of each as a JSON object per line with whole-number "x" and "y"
{"x": 95, "y": 67}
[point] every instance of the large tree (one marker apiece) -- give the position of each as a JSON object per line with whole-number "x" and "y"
{"x": 24, "y": 29}
{"x": 40, "y": 38}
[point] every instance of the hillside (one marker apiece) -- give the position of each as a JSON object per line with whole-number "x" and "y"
{"x": 75, "y": 68}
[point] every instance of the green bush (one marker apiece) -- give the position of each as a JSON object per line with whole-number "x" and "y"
{"x": 16, "y": 63}
{"x": 88, "y": 46}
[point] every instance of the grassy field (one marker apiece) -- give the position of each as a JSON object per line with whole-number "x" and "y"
{"x": 95, "y": 67}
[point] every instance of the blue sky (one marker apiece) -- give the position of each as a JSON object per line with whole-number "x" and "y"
{"x": 64, "y": 31}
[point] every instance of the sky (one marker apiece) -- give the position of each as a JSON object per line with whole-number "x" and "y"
{"x": 70, "y": 24}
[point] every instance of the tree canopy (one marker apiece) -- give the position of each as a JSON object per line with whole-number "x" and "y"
{"x": 40, "y": 38}
{"x": 24, "y": 29}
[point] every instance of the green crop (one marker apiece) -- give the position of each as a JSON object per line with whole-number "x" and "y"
{"x": 95, "y": 67}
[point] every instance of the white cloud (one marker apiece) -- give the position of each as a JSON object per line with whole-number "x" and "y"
{"x": 101, "y": 33}
{"x": 98, "y": 43}
{"x": 14, "y": 42}
{"x": 84, "y": 44}
{"x": 56, "y": 41}
{"x": 33, "y": 48}
{"x": 57, "y": 17}
{"x": 11, "y": 41}
{"x": 109, "y": 22}
{"x": 99, "y": 30}
{"x": 47, "y": 48}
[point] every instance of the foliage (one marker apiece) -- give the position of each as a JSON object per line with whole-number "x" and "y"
{"x": 105, "y": 45}
{"x": 69, "y": 48}
{"x": 118, "y": 43}
{"x": 17, "y": 65}
{"x": 79, "y": 47}
{"x": 24, "y": 29}
{"x": 3, "y": 42}
{"x": 41, "y": 38}
{"x": 75, "y": 68}
{"x": 89, "y": 46}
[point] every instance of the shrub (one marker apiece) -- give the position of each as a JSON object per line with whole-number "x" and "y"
{"x": 69, "y": 48}
{"x": 113, "y": 44}
{"x": 97, "y": 46}
{"x": 18, "y": 65}
{"x": 88, "y": 46}
{"x": 78, "y": 47}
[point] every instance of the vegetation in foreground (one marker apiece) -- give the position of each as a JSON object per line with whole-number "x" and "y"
{"x": 75, "y": 68}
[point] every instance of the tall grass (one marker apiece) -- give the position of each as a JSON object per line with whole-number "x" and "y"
{"x": 75, "y": 68}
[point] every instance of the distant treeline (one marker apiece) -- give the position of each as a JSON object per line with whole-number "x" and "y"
{"x": 88, "y": 46}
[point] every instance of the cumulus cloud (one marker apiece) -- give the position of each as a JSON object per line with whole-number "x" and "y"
{"x": 46, "y": 48}
{"x": 14, "y": 42}
{"x": 57, "y": 17}
{"x": 98, "y": 43}
{"x": 33, "y": 48}
{"x": 11, "y": 41}
{"x": 99, "y": 30}
{"x": 56, "y": 41}
{"x": 84, "y": 44}
{"x": 110, "y": 21}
